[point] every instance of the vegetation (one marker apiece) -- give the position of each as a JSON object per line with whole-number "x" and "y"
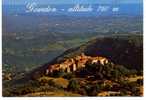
{"x": 73, "y": 85}
{"x": 123, "y": 76}
{"x": 101, "y": 72}
{"x": 30, "y": 41}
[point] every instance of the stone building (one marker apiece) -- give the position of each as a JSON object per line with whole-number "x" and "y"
{"x": 72, "y": 64}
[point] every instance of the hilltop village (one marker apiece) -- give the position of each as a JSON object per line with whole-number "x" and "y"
{"x": 77, "y": 62}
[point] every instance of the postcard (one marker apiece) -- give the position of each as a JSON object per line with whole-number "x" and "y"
{"x": 72, "y": 48}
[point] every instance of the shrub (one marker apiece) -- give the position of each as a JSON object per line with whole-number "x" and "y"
{"x": 140, "y": 81}
{"x": 123, "y": 93}
{"x": 97, "y": 87}
{"x": 88, "y": 90}
{"x": 60, "y": 73}
{"x": 22, "y": 90}
{"x": 82, "y": 91}
{"x": 135, "y": 91}
{"x": 73, "y": 85}
{"x": 123, "y": 70}
{"x": 139, "y": 73}
{"x": 91, "y": 67}
{"x": 115, "y": 74}
{"x": 133, "y": 72}
{"x": 43, "y": 81}
{"x": 51, "y": 82}
{"x": 107, "y": 87}
{"x": 69, "y": 76}
{"x": 34, "y": 83}
{"x": 92, "y": 90}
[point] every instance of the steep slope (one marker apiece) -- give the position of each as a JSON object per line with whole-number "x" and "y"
{"x": 123, "y": 50}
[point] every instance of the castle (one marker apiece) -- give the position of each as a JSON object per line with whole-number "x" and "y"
{"x": 72, "y": 64}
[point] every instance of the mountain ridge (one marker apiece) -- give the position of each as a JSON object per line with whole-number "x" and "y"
{"x": 106, "y": 47}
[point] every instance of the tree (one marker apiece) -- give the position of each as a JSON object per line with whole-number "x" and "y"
{"x": 89, "y": 90}
{"x": 107, "y": 87}
{"x": 115, "y": 74}
{"x": 92, "y": 90}
{"x": 140, "y": 81}
{"x": 122, "y": 70}
{"x": 59, "y": 73}
{"x": 69, "y": 76}
{"x": 73, "y": 85}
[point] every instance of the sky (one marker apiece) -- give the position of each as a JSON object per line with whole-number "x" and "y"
{"x": 70, "y": 1}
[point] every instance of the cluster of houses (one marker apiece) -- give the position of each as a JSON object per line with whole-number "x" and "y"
{"x": 72, "y": 64}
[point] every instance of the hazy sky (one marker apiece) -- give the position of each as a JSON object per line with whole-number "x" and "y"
{"x": 70, "y": 1}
